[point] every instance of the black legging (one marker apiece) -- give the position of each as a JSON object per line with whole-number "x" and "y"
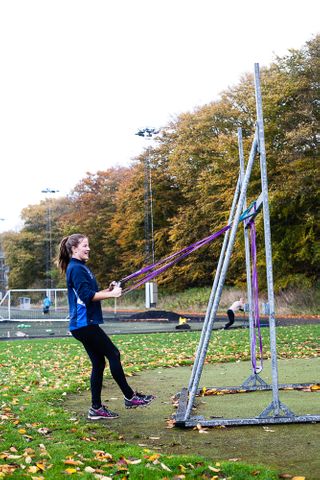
{"x": 98, "y": 346}
{"x": 230, "y": 314}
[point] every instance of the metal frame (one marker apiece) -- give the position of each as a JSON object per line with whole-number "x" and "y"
{"x": 276, "y": 411}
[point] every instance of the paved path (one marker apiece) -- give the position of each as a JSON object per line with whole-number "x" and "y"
{"x": 126, "y": 323}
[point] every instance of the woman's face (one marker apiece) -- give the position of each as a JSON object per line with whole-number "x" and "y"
{"x": 81, "y": 251}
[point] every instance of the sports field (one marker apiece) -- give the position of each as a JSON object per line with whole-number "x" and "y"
{"x": 44, "y": 433}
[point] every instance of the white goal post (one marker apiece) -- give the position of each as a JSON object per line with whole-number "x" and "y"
{"x": 28, "y": 305}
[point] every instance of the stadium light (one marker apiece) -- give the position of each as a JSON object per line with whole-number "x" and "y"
{"x": 151, "y": 288}
{"x": 49, "y": 238}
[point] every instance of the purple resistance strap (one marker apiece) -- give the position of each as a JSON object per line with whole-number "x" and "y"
{"x": 174, "y": 258}
{"x": 168, "y": 262}
{"x": 255, "y": 300}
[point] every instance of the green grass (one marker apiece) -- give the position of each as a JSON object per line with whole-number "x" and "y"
{"x": 40, "y": 439}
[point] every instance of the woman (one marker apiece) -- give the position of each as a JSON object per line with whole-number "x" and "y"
{"x": 84, "y": 298}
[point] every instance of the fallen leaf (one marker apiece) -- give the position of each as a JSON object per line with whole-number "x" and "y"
{"x": 165, "y": 467}
{"x": 170, "y": 423}
{"x": 7, "y": 469}
{"x": 267, "y": 429}
{"x": 70, "y": 461}
{"x": 102, "y": 456}
{"x": 33, "y": 469}
{"x": 70, "y": 471}
{"x": 213, "y": 469}
{"x": 315, "y": 387}
{"x": 89, "y": 470}
{"x": 200, "y": 428}
{"x": 153, "y": 457}
{"x": 44, "y": 431}
{"x": 134, "y": 462}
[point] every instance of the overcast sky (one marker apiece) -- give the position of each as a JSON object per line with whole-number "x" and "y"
{"x": 79, "y": 78}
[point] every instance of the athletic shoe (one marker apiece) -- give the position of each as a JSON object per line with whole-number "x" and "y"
{"x": 138, "y": 400}
{"x": 101, "y": 413}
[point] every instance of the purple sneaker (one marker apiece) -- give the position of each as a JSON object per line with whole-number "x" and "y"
{"x": 138, "y": 400}
{"x": 101, "y": 413}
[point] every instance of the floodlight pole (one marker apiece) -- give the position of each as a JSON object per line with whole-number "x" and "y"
{"x": 151, "y": 292}
{"x": 49, "y": 238}
{"x": 3, "y": 270}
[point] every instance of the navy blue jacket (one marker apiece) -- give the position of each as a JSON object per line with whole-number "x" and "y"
{"x": 82, "y": 287}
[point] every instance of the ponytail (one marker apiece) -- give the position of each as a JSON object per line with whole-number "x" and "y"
{"x": 65, "y": 249}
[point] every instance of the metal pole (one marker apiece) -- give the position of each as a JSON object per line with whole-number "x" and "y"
{"x": 246, "y": 243}
{"x": 222, "y": 278}
{"x": 150, "y": 287}
{"x": 214, "y": 286}
{"x": 151, "y": 208}
{"x": 147, "y": 228}
{"x": 50, "y": 247}
{"x": 267, "y": 237}
{"x": 49, "y": 279}
{"x": 9, "y": 306}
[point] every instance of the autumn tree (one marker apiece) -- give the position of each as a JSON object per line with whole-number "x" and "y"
{"x": 92, "y": 208}
{"x": 194, "y": 169}
{"x": 129, "y": 221}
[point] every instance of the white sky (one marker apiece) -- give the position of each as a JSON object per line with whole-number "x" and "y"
{"x": 79, "y": 78}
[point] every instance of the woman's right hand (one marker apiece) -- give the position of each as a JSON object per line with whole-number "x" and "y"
{"x": 115, "y": 292}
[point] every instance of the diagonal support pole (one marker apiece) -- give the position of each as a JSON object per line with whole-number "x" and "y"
{"x": 214, "y": 288}
{"x": 216, "y": 301}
